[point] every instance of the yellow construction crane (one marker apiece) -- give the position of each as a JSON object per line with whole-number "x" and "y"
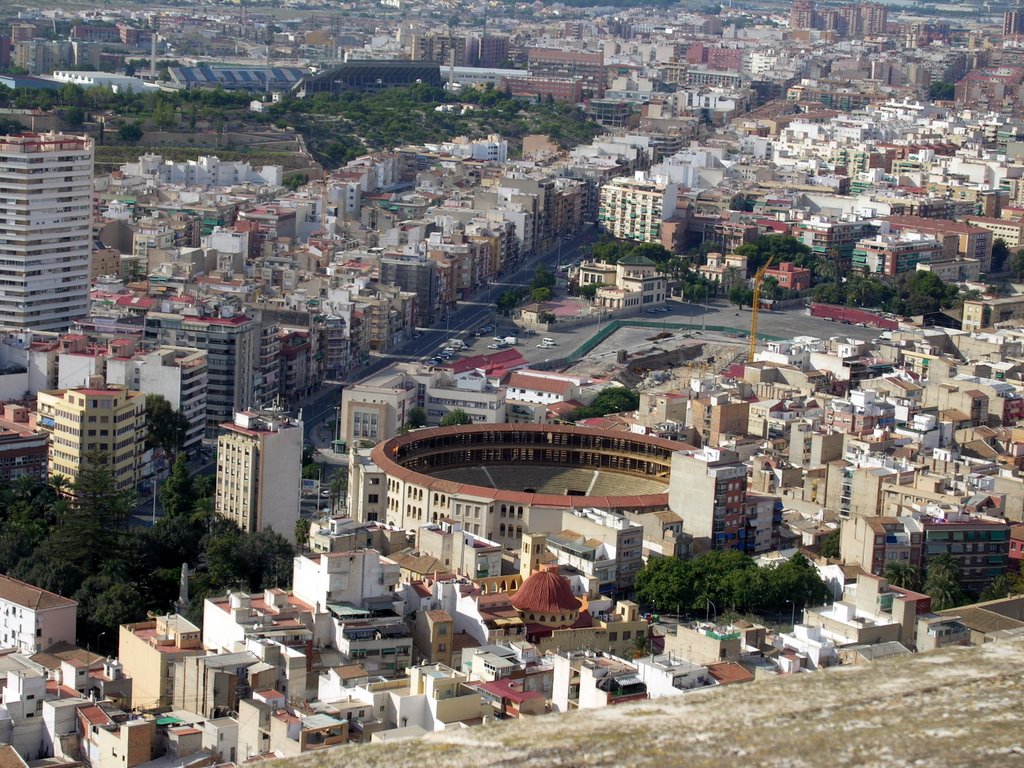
{"x": 755, "y": 306}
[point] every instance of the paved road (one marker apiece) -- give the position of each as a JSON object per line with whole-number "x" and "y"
{"x": 467, "y": 316}
{"x": 470, "y": 314}
{"x": 784, "y": 323}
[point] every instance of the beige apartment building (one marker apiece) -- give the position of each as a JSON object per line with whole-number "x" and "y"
{"x": 259, "y": 467}
{"x": 633, "y": 283}
{"x": 98, "y": 418}
{"x": 148, "y": 651}
{"x": 988, "y": 313}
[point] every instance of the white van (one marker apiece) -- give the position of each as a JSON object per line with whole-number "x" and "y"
{"x": 546, "y": 340}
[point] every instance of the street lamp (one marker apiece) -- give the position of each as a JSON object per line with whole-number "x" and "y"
{"x": 708, "y": 606}
{"x": 792, "y": 613}
{"x": 704, "y": 310}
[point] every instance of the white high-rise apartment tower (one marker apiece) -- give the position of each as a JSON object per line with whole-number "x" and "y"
{"x": 45, "y": 229}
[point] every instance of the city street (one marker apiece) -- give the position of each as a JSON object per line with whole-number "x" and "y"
{"x": 320, "y": 409}
{"x": 468, "y": 315}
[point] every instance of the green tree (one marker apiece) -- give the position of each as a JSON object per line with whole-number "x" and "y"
{"x": 295, "y": 181}
{"x": 830, "y": 545}
{"x": 338, "y": 486}
{"x": 780, "y": 247}
{"x": 1002, "y": 586}
{"x": 732, "y": 277}
{"x": 543, "y": 278}
{"x": 902, "y": 575}
{"x": 1000, "y": 253}
{"x": 129, "y": 132}
{"x": 417, "y": 417}
{"x": 827, "y": 270}
{"x": 455, "y": 418}
{"x": 302, "y": 527}
{"x": 539, "y": 295}
{"x": 741, "y": 296}
{"x": 797, "y": 581}
{"x": 608, "y": 400}
{"x": 178, "y": 492}
{"x": 1017, "y": 263}
{"x": 252, "y": 561}
{"x": 165, "y": 116}
{"x": 98, "y": 514}
{"x": 662, "y": 583}
{"x": 166, "y": 428}
{"x": 942, "y": 584}
{"x": 510, "y": 299}
{"x": 118, "y": 604}
{"x": 941, "y": 90}
{"x": 74, "y": 117}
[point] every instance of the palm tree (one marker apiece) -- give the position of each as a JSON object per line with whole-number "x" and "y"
{"x": 902, "y": 575}
{"x": 972, "y": 295}
{"x": 302, "y": 526}
{"x": 943, "y": 582}
{"x": 858, "y": 292}
{"x": 731, "y": 275}
{"x": 827, "y": 270}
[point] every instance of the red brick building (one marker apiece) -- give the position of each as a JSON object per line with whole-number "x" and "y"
{"x": 790, "y": 276}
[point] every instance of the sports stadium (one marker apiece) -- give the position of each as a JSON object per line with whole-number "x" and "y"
{"x": 496, "y": 478}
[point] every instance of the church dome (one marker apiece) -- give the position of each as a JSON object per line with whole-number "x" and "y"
{"x": 546, "y": 598}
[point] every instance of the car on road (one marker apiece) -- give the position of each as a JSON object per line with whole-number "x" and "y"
{"x": 652, "y": 311}
{"x": 496, "y": 346}
{"x": 325, "y": 494}
{"x": 417, "y": 335}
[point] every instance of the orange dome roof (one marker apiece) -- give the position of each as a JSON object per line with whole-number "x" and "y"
{"x": 545, "y": 592}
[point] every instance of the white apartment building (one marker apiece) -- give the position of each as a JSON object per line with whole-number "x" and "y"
{"x": 377, "y": 408}
{"x": 45, "y": 229}
{"x": 634, "y": 208}
{"x": 259, "y": 466}
{"x": 179, "y": 374}
{"x": 206, "y": 171}
{"x": 32, "y": 619}
{"x": 361, "y": 578}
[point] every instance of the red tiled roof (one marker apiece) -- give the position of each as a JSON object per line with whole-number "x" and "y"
{"x": 510, "y": 690}
{"x": 504, "y": 360}
{"x": 30, "y": 596}
{"x": 539, "y": 383}
{"x": 95, "y": 715}
{"x": 545, "y": 592}
{"x": 729, "y": 672}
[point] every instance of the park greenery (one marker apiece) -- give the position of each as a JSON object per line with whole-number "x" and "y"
{"x": 455, "y": 417}
{"x": 166, "y": 428}
{"x": 912, "y": 293}
{"x": 77, "y": 539}
{"x": 340, "y": 128}
{"x": 779, "y": 248}
{"x": 728, "y": 580}
{"x": 540, "y": 288}
{"x": 336, "y": 128}
{"x": 608, "y": 400}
